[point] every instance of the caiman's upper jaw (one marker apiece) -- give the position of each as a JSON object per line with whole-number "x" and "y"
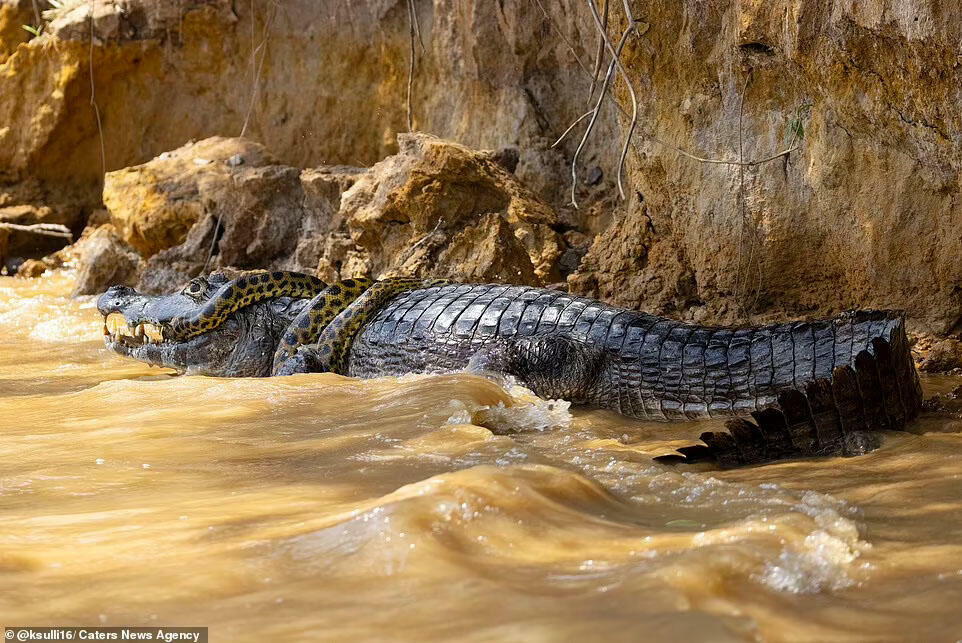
{"x": 117, "y": 328}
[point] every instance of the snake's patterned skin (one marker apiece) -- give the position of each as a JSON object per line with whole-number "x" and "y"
{"x": 335, "y": 341}
{"x": 243, "y": 291}
{"x": 306, "y": 328}
{"x": 327, "y": 324}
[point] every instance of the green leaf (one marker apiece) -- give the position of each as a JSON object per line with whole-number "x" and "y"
{"x": 31, "y": 29}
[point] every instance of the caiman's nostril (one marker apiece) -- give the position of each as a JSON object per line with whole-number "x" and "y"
{"x": 115, "y": 298}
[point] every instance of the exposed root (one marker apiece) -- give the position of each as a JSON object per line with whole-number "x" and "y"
{"x": 599, "y": 56}
{"x": 616, "y": 58}
{"x": 571, "y": 127}
{"x": 631, "y": 18}
{"x": 594, "y": 118}
{"x": 258, "y": 67}
{"x": 415, "y": 34}
{"x": 93, "y": 101}
{"x": 605, "y": 43}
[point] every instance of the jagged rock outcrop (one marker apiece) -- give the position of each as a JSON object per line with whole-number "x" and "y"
{"x": 864, "y": 211}
{"x": 436, "y": 208}
{"x": 440, "y": 209}
{"x": 328, "y": 86}
{"x": 155, "y": 204}
{"x": 939, "y": 355}
{"x": 104, "y": 259}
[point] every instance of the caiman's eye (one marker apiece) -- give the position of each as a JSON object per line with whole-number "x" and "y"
{"x": 196, "y": 287}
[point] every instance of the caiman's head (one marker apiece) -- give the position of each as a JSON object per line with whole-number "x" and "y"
{"x": 140, "y": 326}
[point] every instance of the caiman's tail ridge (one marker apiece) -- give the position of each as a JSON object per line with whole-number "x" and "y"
{"x": 837, "y": 415}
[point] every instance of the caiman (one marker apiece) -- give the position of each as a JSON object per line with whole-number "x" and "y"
{"x": 789, "y": 390}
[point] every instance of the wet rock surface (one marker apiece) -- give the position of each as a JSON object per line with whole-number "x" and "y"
{"x": 939, "y": 355}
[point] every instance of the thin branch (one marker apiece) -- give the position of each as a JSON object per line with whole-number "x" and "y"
{"x": 616, "y": 58}
{"x": 413, "y": 21}
{"x": 93, "y": 101}
{"x": 572, "y": 126}
{"x": 46, "y": 229}
{"x": 424, "y": 238}
{"x": 213, "y": 242}
{"x": 599, "y": 55}
{"x": 562, "y": 35}
{"x": 260, "y": 66}
{"x": 417, "y": 24}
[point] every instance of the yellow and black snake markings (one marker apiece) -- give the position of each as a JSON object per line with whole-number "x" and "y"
{"x": 334, "y": 344}
{"x": 309, "y": 324}
{"x": 247, "y": 289}
{"x": 327, "y": 324}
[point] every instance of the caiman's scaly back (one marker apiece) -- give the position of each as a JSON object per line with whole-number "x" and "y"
{"x": 812, "y": 388}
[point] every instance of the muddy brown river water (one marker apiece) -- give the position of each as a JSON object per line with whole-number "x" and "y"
{"x": 320, "y": 507}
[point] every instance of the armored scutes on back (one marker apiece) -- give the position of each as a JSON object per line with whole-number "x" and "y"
{"x": 812, "y": 388}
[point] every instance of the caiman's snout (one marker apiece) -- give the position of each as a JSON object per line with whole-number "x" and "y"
{"x": 115, "y": 299}
{"x": 123, "y": 311}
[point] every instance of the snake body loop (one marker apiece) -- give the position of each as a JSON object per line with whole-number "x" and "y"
{"x": 305, "y": 329}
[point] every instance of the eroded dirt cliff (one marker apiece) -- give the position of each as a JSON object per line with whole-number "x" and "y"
{"x": 791, "y": 157}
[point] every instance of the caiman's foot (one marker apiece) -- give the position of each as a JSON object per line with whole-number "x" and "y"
{"x": 305, "y": 360}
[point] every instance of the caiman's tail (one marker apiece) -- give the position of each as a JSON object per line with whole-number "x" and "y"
{"x": 876, "y": 388}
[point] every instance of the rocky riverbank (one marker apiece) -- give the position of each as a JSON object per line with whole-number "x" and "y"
{"x": 790, "y": 159}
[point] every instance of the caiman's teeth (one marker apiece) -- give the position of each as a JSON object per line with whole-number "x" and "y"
{"x": 153, "y": 333}
{"x": 116, "y": 327}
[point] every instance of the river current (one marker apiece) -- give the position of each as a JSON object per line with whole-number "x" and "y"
{"x": 436, "y": 507}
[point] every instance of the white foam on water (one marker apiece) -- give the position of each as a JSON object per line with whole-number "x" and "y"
{"x": 528, "y": 413}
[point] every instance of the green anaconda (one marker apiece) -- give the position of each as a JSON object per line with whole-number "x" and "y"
{"x": 812, "y": 388}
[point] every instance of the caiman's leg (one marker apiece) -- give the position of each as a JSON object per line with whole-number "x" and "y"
{"x": 334, "y": 344}
{"x": 295, "y": 353}
{"x": 551, "y": 366}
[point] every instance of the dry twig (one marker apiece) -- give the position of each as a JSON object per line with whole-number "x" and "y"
{"x": 93, "y": 101}
{"x": 258, "y": 68}
{"x": 415, "y": 32}
{"x": 561, "y": 34}
{"x": 46, "y": 229}
{"x": 616, "y": 58}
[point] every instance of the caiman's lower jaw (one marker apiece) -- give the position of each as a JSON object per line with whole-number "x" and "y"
{"x": 117, "y": 330}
